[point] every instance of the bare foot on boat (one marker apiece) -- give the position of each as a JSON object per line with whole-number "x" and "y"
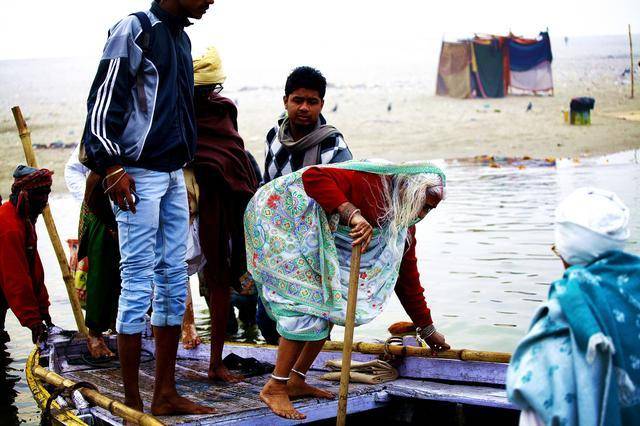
{"x": 97, "y": 346}
{"x": 275, "y": 395}
{"x": 175, "y": 404}
{"x": 298, "y": 388}
{"x": 222, "y": 373}
{"x": 190, "y": 338}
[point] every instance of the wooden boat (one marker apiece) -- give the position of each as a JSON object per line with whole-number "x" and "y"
{"x": 453, "y": 391}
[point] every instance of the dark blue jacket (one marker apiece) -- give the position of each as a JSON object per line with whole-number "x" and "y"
{"x": 154, "y": 129}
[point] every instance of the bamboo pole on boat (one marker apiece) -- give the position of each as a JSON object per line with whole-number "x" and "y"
{"x": 114, "y": 407}
{"x": 460, "y": 354}
{"x": 349, "y": 325}
{"x": 25, "y": 138}
{"x": 632, "y": 65}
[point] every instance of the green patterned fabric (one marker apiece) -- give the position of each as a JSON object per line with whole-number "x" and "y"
{"x": 300, "y": 258}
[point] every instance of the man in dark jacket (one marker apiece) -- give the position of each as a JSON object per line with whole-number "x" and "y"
{"x": 139, "y": 133}
{"x": 227, "y": 182}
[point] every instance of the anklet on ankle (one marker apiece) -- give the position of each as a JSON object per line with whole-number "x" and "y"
{"x": 279, "y": 379}
{"x": 299, "y": 373}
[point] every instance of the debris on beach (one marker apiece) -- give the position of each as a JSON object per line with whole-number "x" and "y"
{"x": 497, "y": 162}
{"x": 55, "y": 145}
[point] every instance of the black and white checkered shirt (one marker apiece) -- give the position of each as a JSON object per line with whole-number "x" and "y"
{"x": 279, "y": 161}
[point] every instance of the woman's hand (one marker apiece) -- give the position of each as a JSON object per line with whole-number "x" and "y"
{"x": 119, "y": 187}
{"x": 361, "y": 231}
{"x": 436, "y": 342}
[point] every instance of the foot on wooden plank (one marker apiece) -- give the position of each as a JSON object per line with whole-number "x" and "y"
{"x": 298, "y": 388}
{"x": 275, "y": 395}
{"x": 174, "y": 404}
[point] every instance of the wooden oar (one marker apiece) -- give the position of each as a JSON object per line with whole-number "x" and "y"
{"x": 25, "y": 137}
{"x": 349, "y": 325}
{"x": 461, "y": 354}
{"x": 114, "y": 407}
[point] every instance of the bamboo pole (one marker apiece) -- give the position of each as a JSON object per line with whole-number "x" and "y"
{"x": 632, "y": 65}
{"x": 114, "y": 407}
{"x": 25, "y": 137}
{"x": 461, "y": 354}
{"x": 349, "y": 325}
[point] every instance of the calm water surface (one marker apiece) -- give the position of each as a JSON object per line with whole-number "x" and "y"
{"x": 484, "y": 258}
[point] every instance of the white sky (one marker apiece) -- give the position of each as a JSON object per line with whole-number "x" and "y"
{"x": 63, "y": 28}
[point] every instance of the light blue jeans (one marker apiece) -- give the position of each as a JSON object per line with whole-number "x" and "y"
{"x": 153, "y": 247}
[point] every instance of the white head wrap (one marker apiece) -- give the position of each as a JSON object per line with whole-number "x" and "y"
{"x": 590, "y": 222}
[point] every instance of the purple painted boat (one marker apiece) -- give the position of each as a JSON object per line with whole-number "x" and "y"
{"x": 429, "y": 390}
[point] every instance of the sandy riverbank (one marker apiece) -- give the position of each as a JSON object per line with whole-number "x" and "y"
{"x": 418, "y": 126}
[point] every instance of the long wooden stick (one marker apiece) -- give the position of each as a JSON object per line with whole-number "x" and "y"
{"x": 632, "y": 65}
{"x": 461, "y": 354}
{"x": 349, "y": 325}
{"x": 114, "y": 407}
{"x": 25, "y": 137}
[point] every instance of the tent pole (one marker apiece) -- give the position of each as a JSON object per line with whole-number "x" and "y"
{"x": 631, "y": 54}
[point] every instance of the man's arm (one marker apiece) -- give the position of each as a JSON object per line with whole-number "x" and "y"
{"x": 17, "y": 284}
{"x": 110, "y": 96}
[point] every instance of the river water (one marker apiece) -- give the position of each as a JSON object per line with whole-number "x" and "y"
{"x": 484, "y": 257}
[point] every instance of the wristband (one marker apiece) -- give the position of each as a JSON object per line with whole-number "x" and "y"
{"x": 353, "y": 213}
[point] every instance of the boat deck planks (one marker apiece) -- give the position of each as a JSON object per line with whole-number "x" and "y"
{"x": 479, "y": 383}
{"x": 233, "y": 402}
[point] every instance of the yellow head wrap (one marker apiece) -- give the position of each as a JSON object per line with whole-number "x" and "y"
{"x": 207, "y": 69}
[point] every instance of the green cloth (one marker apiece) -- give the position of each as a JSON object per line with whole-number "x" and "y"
{"x": 100, "y": 246}
{"x": 490, "y": 68}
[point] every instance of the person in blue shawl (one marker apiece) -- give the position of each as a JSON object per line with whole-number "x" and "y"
{"x": 579, "y": 364}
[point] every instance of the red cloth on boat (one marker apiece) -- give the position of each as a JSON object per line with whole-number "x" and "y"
{"x": 331, "y": 187}
{"x": 21, "y": 272}
{"x": 227, "y": 182}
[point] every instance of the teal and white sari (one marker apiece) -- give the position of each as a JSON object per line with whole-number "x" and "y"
{"x": 300, "y": 258}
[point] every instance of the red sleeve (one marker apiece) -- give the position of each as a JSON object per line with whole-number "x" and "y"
{"x": 408, "y": 288}
{"x": 329, "y": 187}
{"x": 40, "y": 290}
{"x": 16, "y": 282}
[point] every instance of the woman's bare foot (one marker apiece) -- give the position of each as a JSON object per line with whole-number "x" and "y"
{"x": 298, "y": 388}
{"x": 97, "y": 346}
{"x": 190, "y": 338}
{"x": 222, "y": 373}
{"x": 176, "y": 404}
{"x": 275, "y": 395}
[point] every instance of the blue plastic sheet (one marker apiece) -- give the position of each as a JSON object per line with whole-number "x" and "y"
{"x": 523, "y": 57}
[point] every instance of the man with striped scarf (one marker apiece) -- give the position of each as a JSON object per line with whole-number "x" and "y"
{"x": 301, "y": 138}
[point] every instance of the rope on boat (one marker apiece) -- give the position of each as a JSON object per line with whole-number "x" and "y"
{"x": 62, "y": 390}
{"x": 114, "y": 407}
{"x": 459, "y": 354}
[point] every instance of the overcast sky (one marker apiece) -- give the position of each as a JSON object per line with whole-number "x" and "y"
{"x": 63, "y": 28}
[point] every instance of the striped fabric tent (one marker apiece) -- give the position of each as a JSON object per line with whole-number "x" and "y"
{"x": 493, "y": 66}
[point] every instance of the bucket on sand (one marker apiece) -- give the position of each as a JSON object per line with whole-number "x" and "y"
{"x": 580, "y": 113}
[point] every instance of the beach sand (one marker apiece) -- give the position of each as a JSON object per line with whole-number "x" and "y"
{"x": 420, "y": 125}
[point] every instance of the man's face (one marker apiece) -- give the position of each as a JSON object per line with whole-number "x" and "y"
{"x": 303, "y": 107}
{"x": 195, "y": 8}
{"x": 38, "y": 200}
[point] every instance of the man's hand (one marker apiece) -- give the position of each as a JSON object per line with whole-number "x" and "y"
{"x": 436, "y": 342}
{"x": 38, "y": 333}
{"x": 361, "y": 231}
{"x": 119, "y": 186}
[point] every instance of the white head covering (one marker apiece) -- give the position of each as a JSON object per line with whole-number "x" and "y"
{"x": 590, "y": 222}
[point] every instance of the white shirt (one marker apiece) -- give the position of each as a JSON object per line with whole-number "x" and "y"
{"x": 75, "y": 175}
